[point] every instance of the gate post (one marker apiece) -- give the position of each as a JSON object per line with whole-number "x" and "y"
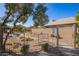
{"x": 75, "y": 33}
{"x": 57, "y": 37}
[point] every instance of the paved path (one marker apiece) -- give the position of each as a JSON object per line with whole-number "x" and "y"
{"x": 57, "y": 52}
{"x": 51, "y": 52}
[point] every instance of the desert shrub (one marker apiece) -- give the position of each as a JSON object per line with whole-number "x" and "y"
{"x": 22, "y": 37}
{"x": 25, "y": 49}
{"x": 29, "y": 39}
{"x": 9, "y": 44}
{"x": 45, "y": 47}
{"x": 52, "y": 35}
{"x": 17, "y": 34}
{"x": 16, "y": 45}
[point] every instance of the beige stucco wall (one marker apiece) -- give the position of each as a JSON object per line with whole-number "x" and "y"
{"x": 67, "y": 36}
{"x": 66, "y": 33}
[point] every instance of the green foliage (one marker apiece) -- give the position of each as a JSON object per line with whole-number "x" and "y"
{"x": 26, "y": 10}
{"x": 40, "y": 18}
{"x": 77, "y": 17}
{"x": 25, "y": 49}
{"x": 45, "y": 47}
{"x": 20, "y": 28}
{"x": 11, "y": 8}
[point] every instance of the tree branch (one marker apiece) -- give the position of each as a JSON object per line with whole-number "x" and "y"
{"x": 6, "y": 19}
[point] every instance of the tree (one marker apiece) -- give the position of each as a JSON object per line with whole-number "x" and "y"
{"x": 22, "y": 13}
{"x": 76, "y": 26}
{"x": 19, "y": 13}
{"x": 40, "y": 17}
{"x": 10, "y": 9}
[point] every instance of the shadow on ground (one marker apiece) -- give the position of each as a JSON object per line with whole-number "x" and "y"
{"x": 52, "y": 51}
{"x": 61, "y": 51}
{"x": 8, "y": 53}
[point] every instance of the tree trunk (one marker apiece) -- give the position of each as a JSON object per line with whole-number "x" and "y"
{"x": 4, "y": 44}
{"x": 2, "y": 32}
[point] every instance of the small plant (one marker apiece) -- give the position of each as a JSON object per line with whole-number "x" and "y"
{"x": 45, "y": 47}
{"x": 52, "y": 35}
{"x": 25, "y": 49}
{"x": 17, "y": 34}
{"x": 77, "y": 40}
{"x": 29, "y": 39}
{"x": 9, "y": 44}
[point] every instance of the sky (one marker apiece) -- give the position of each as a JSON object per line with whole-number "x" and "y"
{"x": 55, "y": 11}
